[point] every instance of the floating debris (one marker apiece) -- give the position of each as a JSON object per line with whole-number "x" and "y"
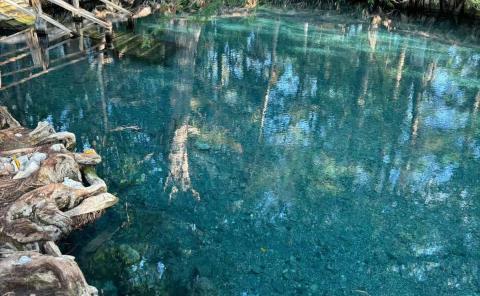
{"x": 161, "y": 269}
{"x": 126, "y": 128}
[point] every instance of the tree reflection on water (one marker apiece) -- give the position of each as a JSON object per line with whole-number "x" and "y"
{"x": 330, "y": 158}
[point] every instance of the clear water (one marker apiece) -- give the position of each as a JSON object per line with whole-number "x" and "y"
{"x": 276, "y": 156}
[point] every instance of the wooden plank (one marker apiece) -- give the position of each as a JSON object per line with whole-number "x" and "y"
{"x": 55, "y": 23}
{"x": 15, "y": 51}
{"x": 14, "y": 59}
{"x": 43, "y": 16}
{"x": 13, "y": 35}
{"x": 14, "y": 10}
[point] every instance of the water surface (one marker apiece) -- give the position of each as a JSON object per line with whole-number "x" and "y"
{"x": 274, "y": 156}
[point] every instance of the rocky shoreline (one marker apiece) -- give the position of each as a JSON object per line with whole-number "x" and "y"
{"x": 46, "y": 191}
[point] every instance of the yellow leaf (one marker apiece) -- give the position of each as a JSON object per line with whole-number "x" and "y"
{"x": 89, "y": 151}
{"x": 17, "y": 162}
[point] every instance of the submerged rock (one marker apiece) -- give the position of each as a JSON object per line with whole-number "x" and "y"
{"x": 202, "y": 286}
{"x": 202, "y": 146}
{"x": 114, "y": 259}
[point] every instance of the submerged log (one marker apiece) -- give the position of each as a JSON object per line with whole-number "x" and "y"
{"x": 46, "y": 191}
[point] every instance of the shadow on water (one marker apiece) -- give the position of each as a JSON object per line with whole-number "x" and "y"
{"x": 26, "y": 55}
{"x": 274, "y": 156}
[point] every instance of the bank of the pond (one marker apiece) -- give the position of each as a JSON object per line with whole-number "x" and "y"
{"x": 46, "y": 191}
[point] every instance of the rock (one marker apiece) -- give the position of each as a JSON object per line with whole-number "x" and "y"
{"x": 128, "y": 255}
{"x": 23, "y": 160}
{"x": 202, "y": 146}
{"x": 126, "y": 268}
{"x": 31, "y": 168}
{"x": 202, "y": 286}
{"x": 23, "y": 260}
{"x": 6, "y": 169}
{"x": 38, "y": 157}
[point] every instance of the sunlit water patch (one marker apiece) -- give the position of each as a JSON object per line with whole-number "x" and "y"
{"x": 274, "y": 156}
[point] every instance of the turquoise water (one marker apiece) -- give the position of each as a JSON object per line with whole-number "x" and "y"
{"x": 275, "y": 155}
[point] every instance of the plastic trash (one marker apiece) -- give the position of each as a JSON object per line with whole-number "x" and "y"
{"x": 161, "y": 269}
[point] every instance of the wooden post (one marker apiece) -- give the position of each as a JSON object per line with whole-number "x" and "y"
{"x": 130, "y": 24}
{"x": 76, "y": 18}
{"x": 109, "y": 38}
{"x": 79, "y": 30}
{"x": 38, "y": 50}
{"x": 40, "y": 23}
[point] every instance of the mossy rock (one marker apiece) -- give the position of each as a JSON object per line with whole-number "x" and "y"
{"x": 111, "y": 261}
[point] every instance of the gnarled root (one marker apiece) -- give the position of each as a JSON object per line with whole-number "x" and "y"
{"x": 27, "y": 273}
{"x": 46, "y": 191}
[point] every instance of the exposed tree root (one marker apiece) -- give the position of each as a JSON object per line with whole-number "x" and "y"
{"x": 46, "y": 191}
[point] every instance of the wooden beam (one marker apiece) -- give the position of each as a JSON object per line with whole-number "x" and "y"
{"x": 57, "y": 24}
{"x": 14, "y": 59}
{"x": 117, "y": 7}
{"x": 13, "y": 35}
{"x": 81, "y": 12}
{"x": 15, "y": 51}
{"x": 76, "y": 4}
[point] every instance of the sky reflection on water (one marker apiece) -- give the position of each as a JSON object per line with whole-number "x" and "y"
{"x": 275, "y": 157}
